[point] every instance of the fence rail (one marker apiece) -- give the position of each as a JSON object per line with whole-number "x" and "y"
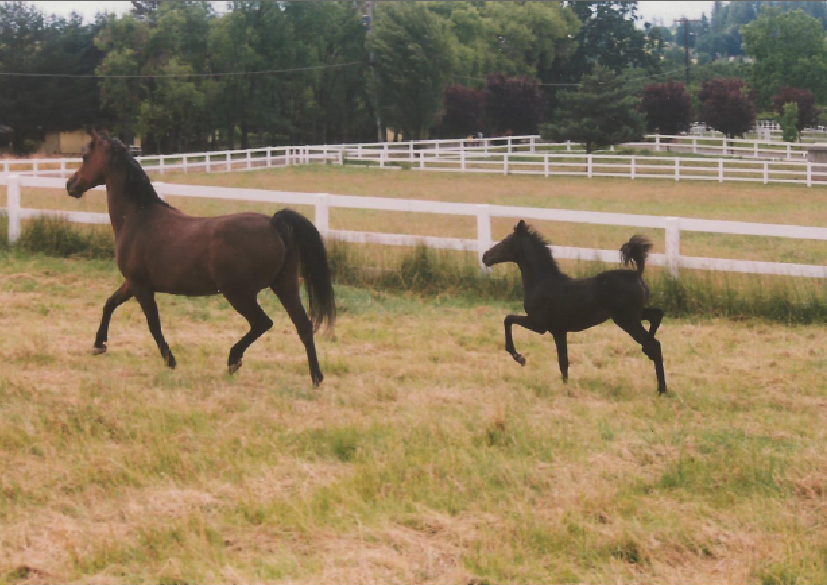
{"x": 323, "y": 202}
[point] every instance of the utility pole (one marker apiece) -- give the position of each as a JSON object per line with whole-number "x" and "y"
{"x": 369, "y": 23}
{"x": 686, "y": 22}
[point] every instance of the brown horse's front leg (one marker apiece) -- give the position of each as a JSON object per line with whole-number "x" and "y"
{"x": 119, "y": 297}
{"x": 146, "y": 298}
{"x": 524, "y": 321}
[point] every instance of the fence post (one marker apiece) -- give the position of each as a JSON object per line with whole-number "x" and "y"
{"x": 677, "y": 169}
{"x": 342, "y": 156}
{"x": 421, "y": 159}
{"x": 545, "y": 164}
{"x": 531, "y": 144}
{"x": 13, "y": 206}
{"x": 657, "y": 142}
{"x": 229, "y": 164}
{"x": 633, "y": 169}
{"x": 589, "y": 166}
{"x": 34, "y": 168}
{"x": 483, "y": 233}
{"x": 809, "y": 174}
{"x": 568, "y": 145}
{"x": 505, "y": 163}
{"x": 723, "y": 148}
{"x": 720, "y": 170}
{"x": 755, "y": 152}
{"x": 694, "y": 145}
{"x": 766, "y": 172}
{"x": 161, "y": 163}
{"x": 462, "y": 159}
{"x": 249, "y": 162}
{"x": 62, "y": 168}
{"x": 382, "y": 159}
{"x": 789, "y": 151}
{"x": 269, "y": 156}
{"x": 207, "y": 160}
{"x": 673, "y": 245}
{"x": 322, "y": 217}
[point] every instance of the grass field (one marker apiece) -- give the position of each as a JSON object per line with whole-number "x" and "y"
{"x": 427, "y": 455}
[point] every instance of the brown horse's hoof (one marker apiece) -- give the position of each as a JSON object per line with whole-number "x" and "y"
{"x": 518, "y": 358}
{"x": 233, "y": 368}
{"x": 99, "y": 350}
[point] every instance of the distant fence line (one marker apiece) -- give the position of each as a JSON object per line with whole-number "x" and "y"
{"x": 739, "y": 160}
{"x": 323, "y": 202}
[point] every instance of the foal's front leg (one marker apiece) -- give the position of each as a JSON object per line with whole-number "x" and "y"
{"x": 146, "y": 298}
{"x": 524, "y": 321}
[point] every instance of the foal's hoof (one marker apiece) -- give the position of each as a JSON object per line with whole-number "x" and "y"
{"x": 99, "y": 350}
{"x": 233, "y": 368}
{"x": 318, "y": 379}
{"x": 518, "y": 358}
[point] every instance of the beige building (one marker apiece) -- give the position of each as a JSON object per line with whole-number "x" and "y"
{"x": 68, "y": 143}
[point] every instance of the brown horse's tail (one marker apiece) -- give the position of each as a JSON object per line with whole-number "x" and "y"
{"x": 636, "y": 250}
{"x": 298, "y": 231}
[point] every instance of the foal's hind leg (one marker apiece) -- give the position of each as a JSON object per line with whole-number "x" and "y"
{"x": 119, "y": 297}
{"x": 287, "y": 290}
{"x": 247, "y": 305}
{"x": 562, "y": 353}
{"x": 147, "y": 300}
{"x": 650, "y": 345}
{"x": 654, "y": 316}
{"x": 524, "y": 321}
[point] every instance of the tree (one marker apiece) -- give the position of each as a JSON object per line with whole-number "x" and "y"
{"x": 667, "y": 106}
{"x": 601, "y": 113}
{"x": 463, "y": 112}
{"x": 808, "y": 113}
{"x": 783, "y": 45}
{"x": 727, "y": 106}
{"x": 413, "y": 66}
{"x": 512, "y": 105}
{"x": 789, "y": 120}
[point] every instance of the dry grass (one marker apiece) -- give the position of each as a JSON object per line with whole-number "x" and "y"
{"x": 734, "y": 201}
{"x": 427, "y": 455}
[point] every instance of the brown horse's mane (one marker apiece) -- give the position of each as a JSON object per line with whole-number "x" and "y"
{"x": 138, "y": 186}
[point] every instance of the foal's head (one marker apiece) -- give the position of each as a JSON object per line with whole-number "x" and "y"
{"x": 92, "y": 171}
{"x": 523, "y": 245}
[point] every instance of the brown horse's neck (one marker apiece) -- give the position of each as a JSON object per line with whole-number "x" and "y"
{"x": 120, "y": 206}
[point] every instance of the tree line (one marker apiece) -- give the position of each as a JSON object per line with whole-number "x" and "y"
{"x": 183, "y": 76}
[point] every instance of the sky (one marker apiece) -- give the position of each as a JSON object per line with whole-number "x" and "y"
{"x": 647, "y": 9}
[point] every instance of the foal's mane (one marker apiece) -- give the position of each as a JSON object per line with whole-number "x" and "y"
{"x": 138, "y": 186}
{"x": 537, "y": 246}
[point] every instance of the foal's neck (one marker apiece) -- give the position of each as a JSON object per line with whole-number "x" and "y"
{"x": 538, "y": 266}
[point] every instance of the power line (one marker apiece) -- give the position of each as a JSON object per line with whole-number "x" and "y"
{"x": 177, "y": 75}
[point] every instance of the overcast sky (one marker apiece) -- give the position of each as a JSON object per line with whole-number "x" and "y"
{"x": 648, "y": 10}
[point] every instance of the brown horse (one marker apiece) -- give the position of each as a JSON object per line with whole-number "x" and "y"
{"x": 558, "y": 304}
{"x": 159, "y": 249}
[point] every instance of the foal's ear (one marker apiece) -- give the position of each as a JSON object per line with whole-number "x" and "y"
{"x": 520, "y": 227}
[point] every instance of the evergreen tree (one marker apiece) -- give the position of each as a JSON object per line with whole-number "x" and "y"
{"x": 601, "y": 113}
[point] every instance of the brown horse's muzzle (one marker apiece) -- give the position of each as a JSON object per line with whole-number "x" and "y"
{"x": 73, "y": 189}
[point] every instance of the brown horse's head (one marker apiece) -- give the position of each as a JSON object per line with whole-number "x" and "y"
{"x": 92, "y": 171}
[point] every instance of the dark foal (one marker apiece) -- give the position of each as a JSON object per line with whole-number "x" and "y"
{"x": 162, "y": 250}
{"x": 558, "y": 304}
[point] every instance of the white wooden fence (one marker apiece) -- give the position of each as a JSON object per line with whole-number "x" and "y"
{"x": 323, "y": 202}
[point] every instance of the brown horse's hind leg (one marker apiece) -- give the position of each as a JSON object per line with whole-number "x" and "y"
{"x": 247, "y": 306}
{"x": 650, "y": 345}
{"x": 119, "y": 297}
{"x": 287, "y": 290}
{"x": 147, "y": 300}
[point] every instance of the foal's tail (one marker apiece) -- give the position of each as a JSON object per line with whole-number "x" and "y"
{"x": 636, "y": 250}
{"x": 300, "y": 231}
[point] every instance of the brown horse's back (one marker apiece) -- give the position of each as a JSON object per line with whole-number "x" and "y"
{"x": 201, "y": 255}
